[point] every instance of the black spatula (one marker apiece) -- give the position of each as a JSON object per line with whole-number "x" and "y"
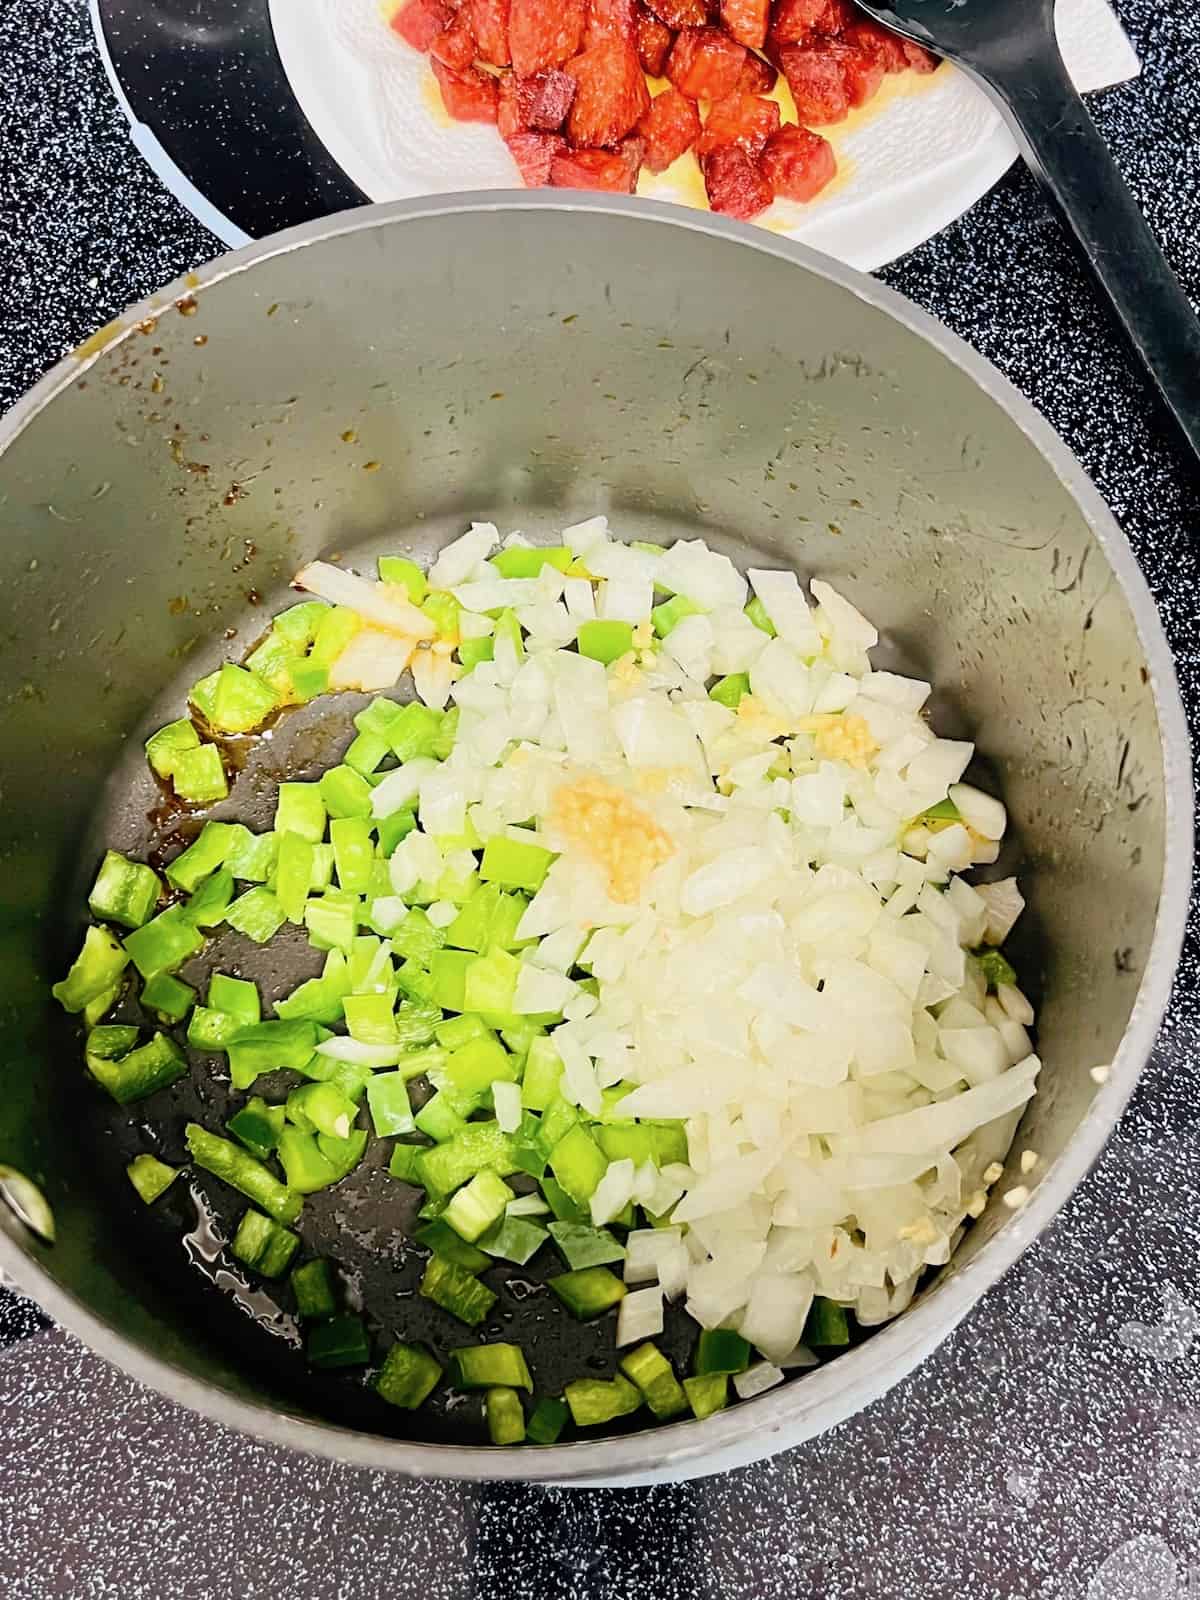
{"x": 1009, "y": 48}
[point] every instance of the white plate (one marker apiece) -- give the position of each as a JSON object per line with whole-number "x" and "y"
{"x": 910, "y": 162}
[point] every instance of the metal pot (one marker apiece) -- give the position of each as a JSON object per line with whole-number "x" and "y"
{"x": 384, "y": 376}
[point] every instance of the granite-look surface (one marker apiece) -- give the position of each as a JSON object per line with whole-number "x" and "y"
{"x": 1051, "y": 1449}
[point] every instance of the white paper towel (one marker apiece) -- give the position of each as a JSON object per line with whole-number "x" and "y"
{"x": 910, "y": 161}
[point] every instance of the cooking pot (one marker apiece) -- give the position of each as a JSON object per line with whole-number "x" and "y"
{"x": 375, "y": 381}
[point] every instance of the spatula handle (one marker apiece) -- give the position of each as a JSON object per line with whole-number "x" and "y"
{"x": 1059, "y": 141}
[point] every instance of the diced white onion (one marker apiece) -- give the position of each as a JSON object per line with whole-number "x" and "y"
{"x": 763, "y": 1375}
{"x": 506, "y": 1097}
{"x": 639, "y": 1316}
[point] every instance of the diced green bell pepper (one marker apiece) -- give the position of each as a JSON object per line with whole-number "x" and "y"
{"x": 996, "y": 970}
{"x": 337, "y": 626}
{"x": 332, "y": 920}
{"x": 238, "y": 1168}
{"x": 143, "y": 1071}
{"x": 150, "y": 1177}
{"x": 441, "y": 1238}
{"x": 353, "y": 852}
{"x": 252, "y": 858}
{"x": 345, "y": 1154}
{"x": 515, "y": 864}
{"x": 588, "y": 1292}
{"x": 649, "y": 1369}
{"x": 660, "y": 1142}
{"x": 526, "y": 561}
{"x": 515, "y": 1239}
{"x": 542, "y": 1075}
{"x": 405, "y": 1164}
{"x": 264, "y": 1245}
{"x": 593, "y": 1400}
{"x": 240, "y": 700}
{"x": 313, "y": 1286}
{"x": 485, "y": 1366}
{"x": 546, "y": 1421}
{"x": 299, "y": 623}
{"x": 476, "y": 1147}
{"x": 729, "y": 691}
{"x": 827, "y": 1325}
{"x": 365, "y": 751}
{"x": 305, "y": 1168}
{"x": 340, "y": 1341}
{"x": 237, "y": 997}
{"x": 505, "y": 1418}
{"x": 293, "y": 874}
{"x": 456, "y": 1291}
{"x": 585, "y": 1246}
{"x": 265, "y": 1046}
{"x": 205, "y": 854}
{"x": 257, "y": 914}
{"x": 210, "y": 903}
{"x": 389, "y": 1105}
{"x": 476, "y": 1206}
{"x": 439, "y": 1118}
{"x": 300, "y": 809}
{"x": 198, "y": 775}
{"x": 578, "y": 1164}
{"x": 167, "y": 996}
{"x": 163, "y": 943}
{"x": 560, "y": 1202}
{"x": 258, "y": 1126}
{"x": 472, "y": 651}
{"x": 448, "y": 971}
{"x": 408, "y": 1376}
{"x": 124, "y": 891}
{"x": 405, "y": 573}
{"x": 757, "y": 613}
{"x": 720, "y": 1350}
{"x": 605, "y": 641}
{"x": 666, "y": 616}
{"x": 346, "y": 793}
{"x": 163, "y": 747}
{"x": 413, "y": 731}
{"x": 707, "y": 1394}
{"x": 322, "y": 1108}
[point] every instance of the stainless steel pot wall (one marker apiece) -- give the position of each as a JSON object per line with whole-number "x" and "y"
{"x": 531, "y": 359}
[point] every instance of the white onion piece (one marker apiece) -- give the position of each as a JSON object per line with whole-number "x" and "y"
{"x": 639, "y": 1316}
{"x": 399, "y": 789}
{"x": 1015, "y": 1005}
{"x": 776, "y": 1312}
{"x": 612, "y": 1193}
{"x": 377, "y": 603}
{"x": 763, "y": 1375}
{"x": 540, "y": 990}
{"x": 388, "y": 912}
{"x": 1005, "y": 904}
{"x": 783, "y": 601}
{"x": 459, "y": 559}
{"x": 506, "y": 1097}
{"x": 979, "y": 811}
{"x": 358, "y": 1054}
{"x": 433, "y": 674}
{"x": 371, "y": 661}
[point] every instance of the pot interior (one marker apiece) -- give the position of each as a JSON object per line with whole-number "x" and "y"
{"x": 373, "y": 392}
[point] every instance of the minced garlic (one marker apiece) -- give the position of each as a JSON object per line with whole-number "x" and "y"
{"x": 609, "y": 827}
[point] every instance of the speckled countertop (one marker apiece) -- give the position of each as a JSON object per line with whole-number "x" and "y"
{"x": 1051, "y": 1449}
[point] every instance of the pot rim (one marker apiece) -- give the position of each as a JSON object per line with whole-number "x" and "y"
{"x": 788, "y": 1415}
